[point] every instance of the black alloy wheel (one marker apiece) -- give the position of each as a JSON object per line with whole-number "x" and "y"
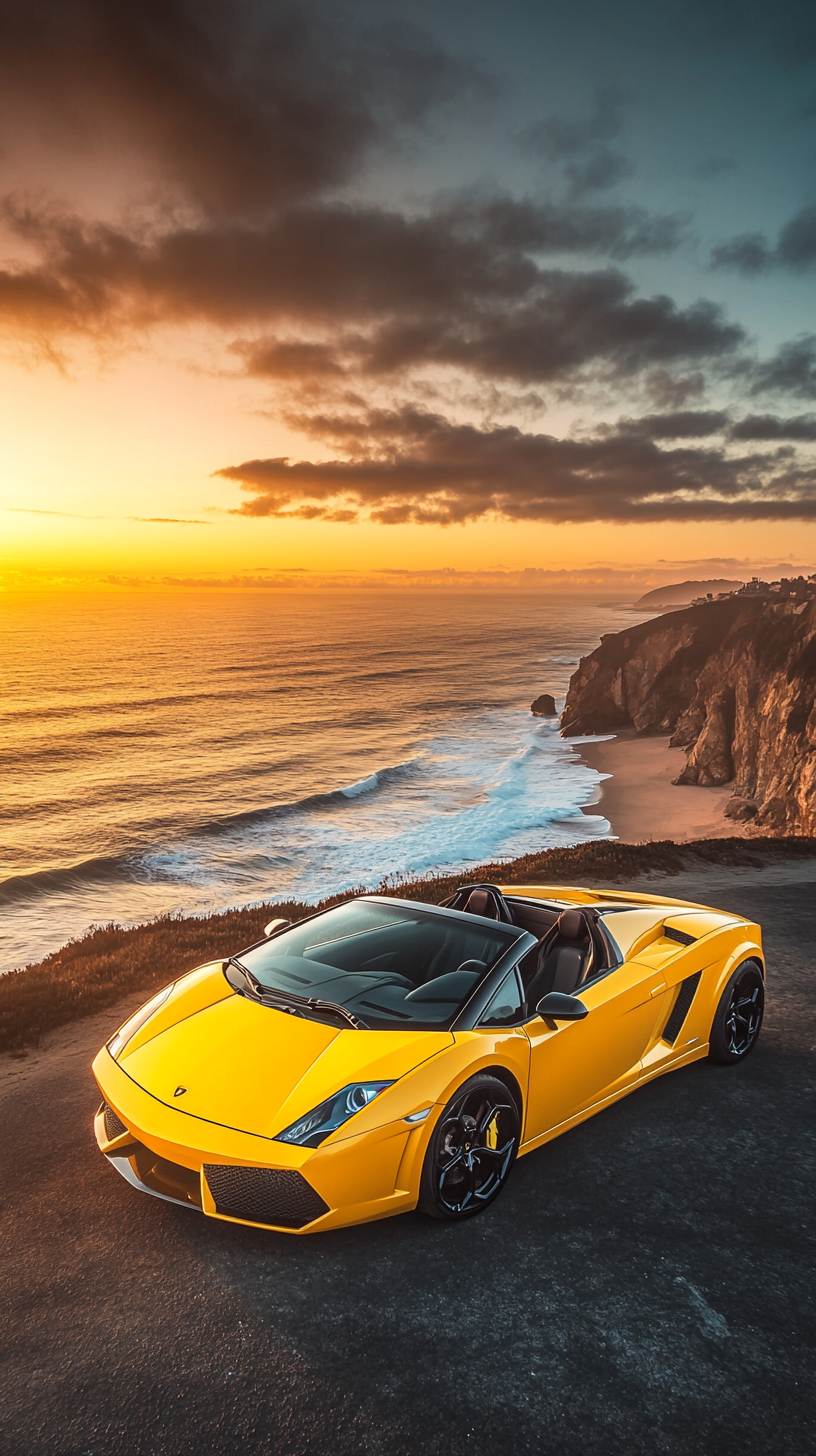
{"x": 472, "y": 1150}
{"x": 738, "y": 1017}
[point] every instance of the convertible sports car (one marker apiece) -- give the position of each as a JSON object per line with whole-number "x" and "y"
{"x": 386, "y": 1055}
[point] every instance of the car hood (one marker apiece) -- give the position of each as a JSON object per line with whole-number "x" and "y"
{"x": 257, "y": 1070}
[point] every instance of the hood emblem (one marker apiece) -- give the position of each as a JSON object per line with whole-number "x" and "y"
{"x": 179, "y": 1092}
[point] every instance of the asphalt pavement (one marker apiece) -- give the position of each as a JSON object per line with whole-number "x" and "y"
{"x": 643, "y": 1285}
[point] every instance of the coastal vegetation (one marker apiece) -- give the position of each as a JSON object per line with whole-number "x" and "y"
{"x": 89, "y": 974}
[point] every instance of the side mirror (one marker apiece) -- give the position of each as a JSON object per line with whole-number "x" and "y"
{"x": 274, "y": 926}
{"x": 555, "y": 1006}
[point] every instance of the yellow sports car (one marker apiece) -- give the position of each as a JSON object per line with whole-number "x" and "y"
{"x": 387, "y": 1055}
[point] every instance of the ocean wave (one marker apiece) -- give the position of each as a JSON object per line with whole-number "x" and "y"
{"x": 70, "y": 879}
{"x": 363, "y": 786}
{"x": 225, "y": 823}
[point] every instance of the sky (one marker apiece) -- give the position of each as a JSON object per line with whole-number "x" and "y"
{"x": 427, "y": 294}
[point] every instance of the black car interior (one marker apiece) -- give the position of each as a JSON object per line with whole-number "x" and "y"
{"x": 571, "y": 950}
{"x": 382, "y": 963}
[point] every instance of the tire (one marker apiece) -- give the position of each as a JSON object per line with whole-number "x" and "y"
{"x": 472, "y": 1150}
{"x": 738, "y": 1018}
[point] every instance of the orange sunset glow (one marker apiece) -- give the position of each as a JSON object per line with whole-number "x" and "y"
{"x": 321, "y": 333}
{"x": 408, "y": 747}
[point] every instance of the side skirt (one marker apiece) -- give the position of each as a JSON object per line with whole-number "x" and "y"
{"x": 695, "y": 1055}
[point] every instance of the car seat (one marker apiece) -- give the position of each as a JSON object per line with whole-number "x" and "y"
{"x": 485, "y": 900}
{"x": 564, "y": 957}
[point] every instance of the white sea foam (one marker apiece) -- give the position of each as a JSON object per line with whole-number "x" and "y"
{"x": 366, "y": 740}
{"x": 363, "y": 786}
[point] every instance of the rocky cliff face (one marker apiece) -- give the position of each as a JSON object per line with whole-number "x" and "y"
{"x": 733, "y": 683}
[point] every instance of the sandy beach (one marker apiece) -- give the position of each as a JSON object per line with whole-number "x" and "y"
{"x": 641, "y": 802}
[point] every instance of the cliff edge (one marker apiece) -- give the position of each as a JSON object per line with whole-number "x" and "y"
{"x": 733, "y": 682}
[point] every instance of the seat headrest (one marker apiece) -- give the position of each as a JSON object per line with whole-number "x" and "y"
{"x": 481, "y": 902}
{"x": 571, "y": 925}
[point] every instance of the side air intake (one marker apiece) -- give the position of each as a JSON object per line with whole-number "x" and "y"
{"x": 277, "y": 1196}
{"x": 680, "y": 1010}
{"x": 681, "y": 936}
{"x": 114, "y": 1126}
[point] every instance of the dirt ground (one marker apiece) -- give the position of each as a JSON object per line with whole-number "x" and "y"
{"x": 643, "y": 1285}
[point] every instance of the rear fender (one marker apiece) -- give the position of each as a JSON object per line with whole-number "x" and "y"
{"x": 714, "y": 980}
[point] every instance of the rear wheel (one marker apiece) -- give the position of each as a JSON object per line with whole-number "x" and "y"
{"x": 738, "y": 1017}
{"x": 472, "y": 1150}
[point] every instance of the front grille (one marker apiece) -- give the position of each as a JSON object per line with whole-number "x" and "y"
{"x": 114, "y": 1126}
{"x": 264, "y": 1195}
{"x": 681, "y": 936}
{"x": 680, "y": 1010}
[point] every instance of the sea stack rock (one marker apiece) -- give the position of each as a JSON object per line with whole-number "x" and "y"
{"x": 742, "y": 809}
{"x": 544, "y": 706}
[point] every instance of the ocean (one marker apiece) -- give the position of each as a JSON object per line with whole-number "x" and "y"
{"x": 199, "y": 750}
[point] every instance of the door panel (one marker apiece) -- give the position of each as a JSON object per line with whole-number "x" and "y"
{"x": 581, "y": 1062}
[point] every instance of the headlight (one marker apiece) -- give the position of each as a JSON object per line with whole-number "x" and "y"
{"x": 130, "y": 1028}
{"x": 309, "y": 1131}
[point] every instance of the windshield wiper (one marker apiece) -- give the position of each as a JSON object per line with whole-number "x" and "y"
{"x": 301, "y": 1005}
{"x": 288, "y": 1001}
{"x": 254, "y": 986}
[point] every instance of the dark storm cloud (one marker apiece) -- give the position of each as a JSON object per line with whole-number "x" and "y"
{"x": 772, "y": 427}
{"x": 750, "y": 253}
{"x": 791, "y": 370}
{"x": 248, "y": 123}
{"x": 571, "y": 322}
{"x": 581, "y": 147}
{"x": 256, "y": 110}
{"x": 242, "y": 106}
{"x": 680, "y": 425}
{"x": 413, "y": 466}
{"x": 456, "y": 287}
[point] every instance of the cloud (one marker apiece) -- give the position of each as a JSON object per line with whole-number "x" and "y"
{"x": 772, "y": 427}
{"x": 32, "y": 511}
{"x": 580, "y": 147}
{"x": 78, "y": 516}
{"x": 414, "y": 466}
{"x": 680, "y": 425}
{"x": 241, "y": 106}
{"x": 751, "y": 254}
{"x": 791, "y": 370}
{"x": 459, "y": 286}
{"x": 247, "y": 126}
{"x": 254, "y": 118}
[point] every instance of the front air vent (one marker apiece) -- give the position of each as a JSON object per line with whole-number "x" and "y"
{"x": 276, "y": 1196}
{"x": 114, "y": 1126}
{"x": 680, "y": 1010}
{"x": 168, "y": 1180}
{"x": 681, "y": 936}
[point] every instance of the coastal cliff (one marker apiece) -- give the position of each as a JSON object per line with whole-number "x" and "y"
{"x": 733, "y": 682}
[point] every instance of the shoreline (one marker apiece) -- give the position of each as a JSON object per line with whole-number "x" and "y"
{"x": 111, "y": 962}
{"x": 641, "y": 802}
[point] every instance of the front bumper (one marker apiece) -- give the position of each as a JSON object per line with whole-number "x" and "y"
{"x": 245, "y": 1178}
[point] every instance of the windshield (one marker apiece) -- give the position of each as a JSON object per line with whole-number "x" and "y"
{"x": 389, "y": 966}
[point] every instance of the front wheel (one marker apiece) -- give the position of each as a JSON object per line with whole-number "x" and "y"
{"x": 472, "y": 1150}
{"x": 738, "y": 1017}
